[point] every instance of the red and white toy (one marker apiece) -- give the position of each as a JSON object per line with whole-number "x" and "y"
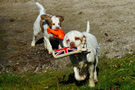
{"x": 68, "y": 51}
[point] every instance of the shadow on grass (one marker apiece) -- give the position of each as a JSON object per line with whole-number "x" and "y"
{"x": 71, "y": 79}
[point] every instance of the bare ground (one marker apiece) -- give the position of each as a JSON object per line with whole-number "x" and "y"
{"x": 112, "y": 22}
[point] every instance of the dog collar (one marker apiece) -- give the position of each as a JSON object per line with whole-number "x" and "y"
{"x": 44, "y": 23}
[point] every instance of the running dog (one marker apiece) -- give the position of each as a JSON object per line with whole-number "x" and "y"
{"x": 43, "y": 22}
{"x": 85, "y": 61}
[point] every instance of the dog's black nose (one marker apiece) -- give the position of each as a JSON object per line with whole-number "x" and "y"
{"x": 72, "y": 44}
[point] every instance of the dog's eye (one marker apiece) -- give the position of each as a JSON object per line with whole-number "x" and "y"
{"x": 77, "y": 38}
{"x": 68, "y": 40}
{"x": 53, "y": 24}
{"x": 58, "y": 23}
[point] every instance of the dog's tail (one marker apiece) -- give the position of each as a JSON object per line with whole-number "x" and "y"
{"x": 88, "y": 27}
{"x": 41, "y": 8}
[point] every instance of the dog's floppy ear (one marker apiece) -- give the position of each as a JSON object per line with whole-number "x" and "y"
{"x": 48, "y": 19}
{"x": 60, "y": 17}
{"x": 84, "y": 39}
{"x": 45, "y": 17}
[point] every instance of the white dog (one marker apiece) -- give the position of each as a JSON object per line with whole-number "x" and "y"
{"x": 83, "y": 62}
{"x": 43, "y": 22}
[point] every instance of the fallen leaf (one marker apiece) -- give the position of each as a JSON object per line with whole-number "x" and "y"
{"x": 46, "y": 87}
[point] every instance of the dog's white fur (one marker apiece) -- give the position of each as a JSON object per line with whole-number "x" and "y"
{"x": 85, "y": 61}
{"x": 37, "y": 27}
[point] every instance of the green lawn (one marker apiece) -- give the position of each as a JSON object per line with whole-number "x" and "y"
{"x": 112, "y": 73}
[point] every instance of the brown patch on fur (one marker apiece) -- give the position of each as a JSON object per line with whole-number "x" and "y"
{"x": 61, "y": 18}
{"x": 67, "y": 41}
{"x": 41, "y": 25}
{"x": 83, "y": 39}
{"x": 77, "y": 38}
{"x": 48, "y": 19}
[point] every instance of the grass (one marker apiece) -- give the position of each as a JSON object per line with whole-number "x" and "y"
{"x": 116, "y": 73}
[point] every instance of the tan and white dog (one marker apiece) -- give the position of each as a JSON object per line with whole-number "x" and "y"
{"x": 84, "y": 62}
{"x": 43, "y": 22}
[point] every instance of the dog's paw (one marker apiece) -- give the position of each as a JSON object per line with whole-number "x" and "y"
{"x": 33, "y": 44}
{"x": 91, "y": 83}
{"x": 96, "y": 81}
{"x": 50, "y": 51}
{"x": 83, "y": 75}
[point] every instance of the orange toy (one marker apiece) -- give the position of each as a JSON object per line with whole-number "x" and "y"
{"x": 57, "y": 33}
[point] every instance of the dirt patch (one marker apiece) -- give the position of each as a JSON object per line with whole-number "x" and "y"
{"x": 112, "y": 22}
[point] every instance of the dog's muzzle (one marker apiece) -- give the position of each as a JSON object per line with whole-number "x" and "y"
{"x": 72, "y": 44}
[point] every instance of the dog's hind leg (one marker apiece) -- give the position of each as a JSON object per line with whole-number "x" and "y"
{"x": 36, "y": 31}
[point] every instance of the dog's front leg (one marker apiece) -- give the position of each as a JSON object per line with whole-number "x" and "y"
{"x": 59, "y": 46}
{"x": 47, "y": 45}
{"x": 78, "y": 77}
{"x": 33, "y": 41}
{"x": 91, "y": 77}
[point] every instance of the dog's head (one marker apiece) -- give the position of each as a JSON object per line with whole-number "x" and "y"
{"x": 54, "y": 22}
{"x": 73, "y": 39}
